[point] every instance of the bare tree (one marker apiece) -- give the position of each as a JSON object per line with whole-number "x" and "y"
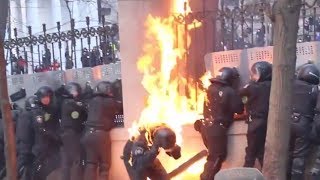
{"x": 10, "y": 145}
{"x": 285, "y": 15}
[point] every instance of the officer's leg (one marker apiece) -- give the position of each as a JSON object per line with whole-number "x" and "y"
{"x": 78, "y": 158}
{"x": 66, "y": 164}
{"x": 217, "y": 149}
{"x": 315, "y": 169}
{"x": 251, "y": 150}
{"x": 72, "y": 148}
{"x": 92, "y": 155}
{"x": 301, "y": 150}
{"x": 105, "y": 155}
{"x": 27, "y": 173}
{"x": 47, "y": 165}
{"x": 261, "y": 144}
{"x": 157, "y": 171}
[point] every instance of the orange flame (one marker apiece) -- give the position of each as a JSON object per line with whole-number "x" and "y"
{"x": 205, "y": 79}
{"x": 166, "y": 103}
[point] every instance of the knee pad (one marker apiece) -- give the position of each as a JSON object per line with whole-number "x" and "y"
{"x": 298, "y": 165}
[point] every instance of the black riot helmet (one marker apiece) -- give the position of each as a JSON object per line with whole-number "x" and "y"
{"x": 117, "y": 89}
{"x": 104, "y": 88}
{"x": 44, "y": 91}
{"x": 31, "y": 102}
{"x": 309, "y": 73}
{"x": 45, "y": 95}
{"x": 261, "y": 71}
{"x": 73, "y": 90}
{"x": 227, "y": 76}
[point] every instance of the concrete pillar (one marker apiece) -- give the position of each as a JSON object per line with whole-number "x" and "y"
{"x": 131, "y": 25}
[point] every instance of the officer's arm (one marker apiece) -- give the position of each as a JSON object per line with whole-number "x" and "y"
{"x": 245, "y": 91}
{"x": 316, "y": 120}
{"x": 149, "y": 156}
{"x": 237, "y": 104}
{"x": 51, "y": 135}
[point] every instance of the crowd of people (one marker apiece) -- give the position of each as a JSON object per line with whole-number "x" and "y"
{"x": 98, "y": 55}
{"x": 65, "y": 128}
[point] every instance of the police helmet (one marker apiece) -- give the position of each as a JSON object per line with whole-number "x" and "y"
{"x": 73, "y": 89}
{"x": 226, "y": 75}
{"x": 309, "y": 73}
{"x": 117, "y": 89}
{"x": 261, "y": 71}
{"x": 44, "y": 91}
{"x": 31, "y": 102}
{"x": 105, "y": 88}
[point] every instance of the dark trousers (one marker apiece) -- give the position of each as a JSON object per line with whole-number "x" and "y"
{"x": 71, "y": 154}
{"x": 157, "y": 171}
{"x": 215, "y": 138}
{"x": 299, "y": 146}
{"x": 46, "y": 162}
{"x": 97, "y": 145}
{"x": 315, "y": 168}
{"x": 256, "y": 138}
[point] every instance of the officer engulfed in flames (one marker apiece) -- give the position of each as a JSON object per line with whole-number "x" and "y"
{"x": 140, "y": 153}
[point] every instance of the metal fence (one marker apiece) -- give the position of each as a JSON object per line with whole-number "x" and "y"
{"x": 246, "y": 24}
{"x": 63, "y": 49}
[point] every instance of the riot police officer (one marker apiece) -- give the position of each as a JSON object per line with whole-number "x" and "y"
{"x": 73, "y": 115}
{"x": 26, "y": 138}
{"x": 303, "y": 103}
{"x": 222, "y": 103}
{"x": 117, "y": 89}
{"x": 102, "y": 108}
{"x": 143, "y": 156}
{"x": 47, "y": 140}
{"x": 257, "y": 93}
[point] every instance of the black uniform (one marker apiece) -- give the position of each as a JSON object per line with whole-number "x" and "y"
{"x": 257, "y": 106}
{"x": 97, "y": 143}
{"x": 315, "y": 137}
{"x": 73, "y": 115}
{"x": 144, "y": 162}
{"x": 304, "y": 102}
{"x": 257, "y": 93}
{"x": 25, "y": 141}
{"x": 15, "y": 115}
{"x": 222, "y": 103}
{"x": 47, "y": 140}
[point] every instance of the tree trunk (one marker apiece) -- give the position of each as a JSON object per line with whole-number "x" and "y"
{"x": 10, "y": 143}
{"x": 3, "y": 18}
{"x": 286, "y": 16}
